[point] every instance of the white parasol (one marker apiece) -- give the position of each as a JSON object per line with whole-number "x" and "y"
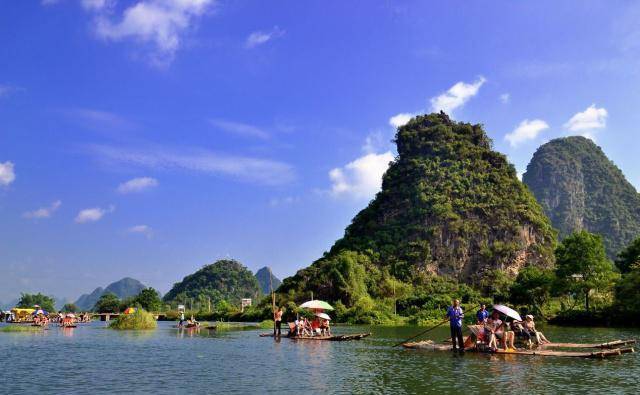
{"x": 508, "y": 311}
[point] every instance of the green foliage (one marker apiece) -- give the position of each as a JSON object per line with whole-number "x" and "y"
{"x": 583, "y": 266}
{"x": 580, "y": 188}
{"x": 108, "y": 303}
{"x": 532, "y": 288}
{"x": 627, "y": 295}
{"x": 497, "y": 283}
{"x": 46, "y": 303}
{"x": 20, "y": 328}
{"x": 629, "y": 258}
{"x": 226, "y": 280}
{"x": 148, "y": 299}
{"x": 70, "y": 308}
{"x": 140, "y": 320}
{"x": 450, "y": 206}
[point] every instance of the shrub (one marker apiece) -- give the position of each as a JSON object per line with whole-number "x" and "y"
{"x": 140, "y": 320}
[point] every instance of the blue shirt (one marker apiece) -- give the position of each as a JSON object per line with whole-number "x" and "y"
{"x": 482, "y": 315}
{"x": 455, "y": 315}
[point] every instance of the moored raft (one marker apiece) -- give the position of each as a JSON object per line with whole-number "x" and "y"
{"x": 334, "y": 338}
{"x": 431, "y": 346}
{"x": 609, "y": 345}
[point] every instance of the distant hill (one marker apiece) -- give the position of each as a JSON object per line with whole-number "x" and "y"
{"x": 223, "y": 280}
{"x": 124, "y": 288}
{"x": 579, "y": 188}
{"x": 262, "y": 276}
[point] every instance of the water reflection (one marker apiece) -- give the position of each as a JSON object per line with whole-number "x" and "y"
{"x": 241, "y": 362}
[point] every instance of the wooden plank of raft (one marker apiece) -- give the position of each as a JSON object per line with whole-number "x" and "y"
{"x": 428, "y": 345}
{"x": 613, "y": 344}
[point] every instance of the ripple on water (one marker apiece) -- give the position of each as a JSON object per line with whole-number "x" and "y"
{"x": 92, "y": 359}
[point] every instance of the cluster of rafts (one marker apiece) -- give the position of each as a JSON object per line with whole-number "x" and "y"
{"x": 568, "y": 350}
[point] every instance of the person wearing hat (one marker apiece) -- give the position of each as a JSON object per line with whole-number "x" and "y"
{"x": 530, "y": 326}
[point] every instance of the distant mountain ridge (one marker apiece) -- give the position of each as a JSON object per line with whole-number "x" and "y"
{"x": 123, "y": 288}
{"x": 262, "y": 276}
{"x": 579, "y": 188}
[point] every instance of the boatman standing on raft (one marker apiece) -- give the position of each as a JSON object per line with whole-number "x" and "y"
{"x": 277, "y": 321}
{"x": 455, "y": 316}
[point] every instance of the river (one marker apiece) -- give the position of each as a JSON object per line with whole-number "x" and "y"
{"x": 91, "y": 359}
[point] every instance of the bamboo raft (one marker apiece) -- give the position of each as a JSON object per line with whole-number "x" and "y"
{"x": 608, "y": 345}
{"x": 609, "y": 352}
{"x": 334, "y": 338}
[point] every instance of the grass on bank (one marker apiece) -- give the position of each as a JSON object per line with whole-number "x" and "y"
{"x": 20, "y": 328}
{"x": 140, "y": 320}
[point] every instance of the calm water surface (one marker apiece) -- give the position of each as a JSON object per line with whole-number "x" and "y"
{"x": 91, "y": 359}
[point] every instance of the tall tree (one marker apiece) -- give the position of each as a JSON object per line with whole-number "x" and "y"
{"x": 629, "y": 258}
{"x": 148, "y": 299}
{"x": 582, "y": 265}
{"x": 108, "y": 303}
{"x": 532, "y": 288}
{"x": 29, "y": 300}
{"x": 70, "y": 308}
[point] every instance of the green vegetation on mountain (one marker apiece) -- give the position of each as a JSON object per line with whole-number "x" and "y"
{"x": 225, "y": 280}
{"x": 450, "y": 210}
{"x": 580, "y": 188}
{"x": 262, "y": 276}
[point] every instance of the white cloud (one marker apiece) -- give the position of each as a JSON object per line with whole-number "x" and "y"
{"x": 141, "y": 229}
{"x": 43, "y": 212}
{"x": 98, "y": 119}
{"x": 456, "y": 96}
{"x": 525, "y": 131}
{"x": 361, "y": 178}
{"x": 7, "y": 173}
{"x": 274, "y": 202}
{"x": 588, "y": 121}
{"x": 92, "y": 214}
{"x": 240, "y": 129}
{"x": 260, "y": 171}
{"x": 137, "y": 185}
{"x": 400, "y": 119}
{"x": 259, "y": 37}
{"x": 505, "y": 98}
{"x": 375, "y": 142}
{"x": 161, "y": 23}
{"x": 7, "y": 90}
{"x": 96, "y": 5}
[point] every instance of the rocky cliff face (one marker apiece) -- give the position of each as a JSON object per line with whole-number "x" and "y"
{"x": 579, "y": 188}
{"x": 266, "y": 286}
{"x": 450, "y": 206}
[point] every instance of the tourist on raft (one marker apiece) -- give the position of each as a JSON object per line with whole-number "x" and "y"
{"x": 455, "y": 316}
{"x": 482, "y": 314}
{"x": 494, "y": 330}
{"x": 530, "y": 326}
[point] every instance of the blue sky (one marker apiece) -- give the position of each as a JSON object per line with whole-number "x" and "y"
{"x": 146, "y": 138}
